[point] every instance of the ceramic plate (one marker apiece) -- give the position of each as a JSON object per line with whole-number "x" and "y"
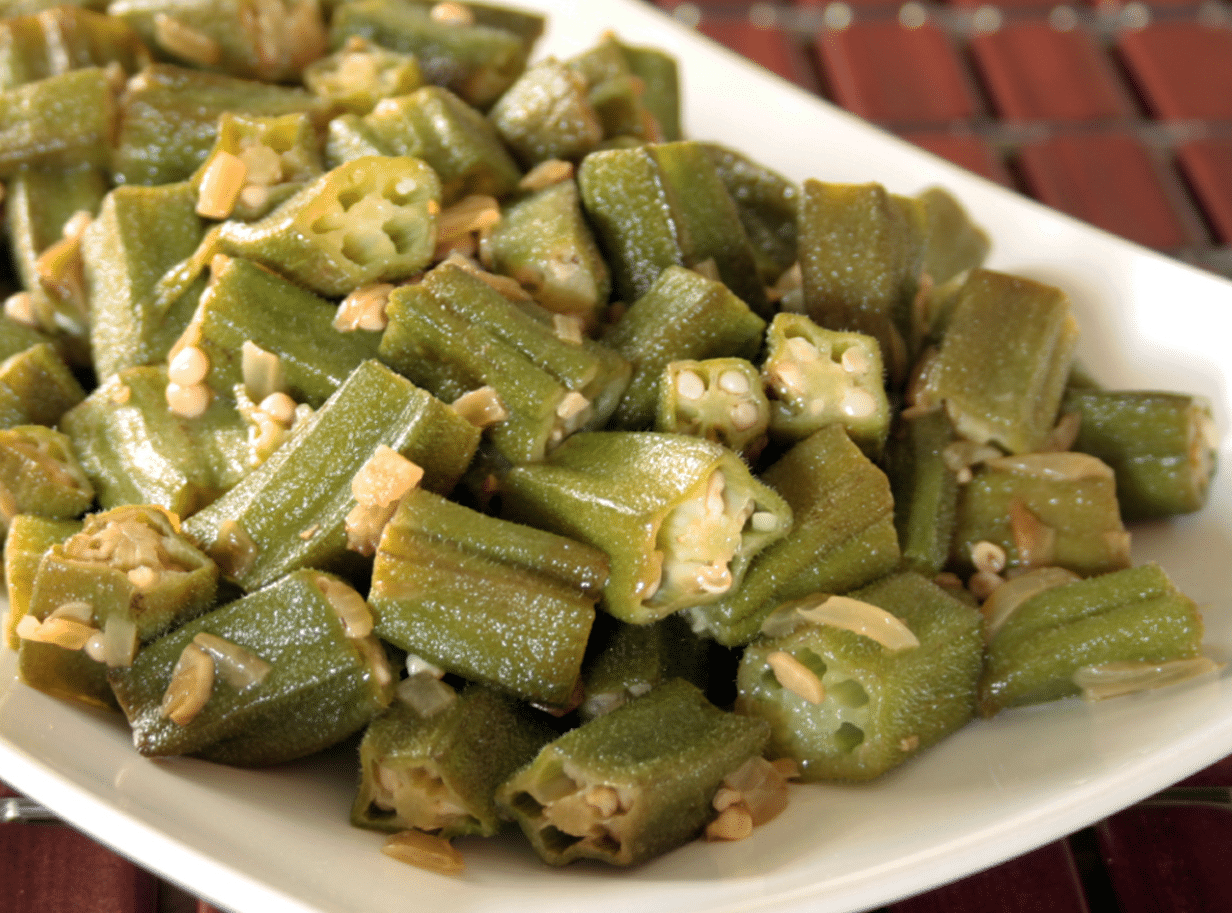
{"x": 278, "y": 840}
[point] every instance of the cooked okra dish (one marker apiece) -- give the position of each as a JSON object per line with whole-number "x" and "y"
{"x": 367, "y": 384}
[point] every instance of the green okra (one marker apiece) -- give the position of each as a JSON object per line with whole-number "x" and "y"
{"x": 1162, "y": 447}
{"x": 439, "y": 773}
{"x": 369, "y": 220}
{"x": 660, "y": 86}
{"x": 1135, "y": 614}
{"x": 36, "y": 388}
{"x": 486, "y": 599}
{"x": 17, "y": 337}
{"x": 820, "y": 377}
{"x": 544, "y": 242}
{"x": 29, "y": 537}
{"x": 1004, "y": 360}
{"x": 349, "y": 137}
{"x": 844, "y": 706}
{"x": 53, "y": 41}
{"x": 766, "y": 203}
{"x": 632, "y": 783}
{"x": 526, "y": 24}
{"x": 477, "y": 62}
{"x": 169, "y": 119}
{"x": 279, "y": 674}
{"x": 311, "y": 476}
{"x": 1043, "y": 510}
{"x": 615, "y": 92}
{"x": 452, "y": 333}
{"x": 135, "y": 450}
{"x": 632, "y": 659}
{"x": 140, "y": 234}
{"x": 680, "y": 518}
{"x": 666, "y": 205}
{"x": 953, "y": 244}
{"x": 39, "y": 475}
{"x": 925, "y": 490}
{"x": 547, "y": 114}
{"x": 361, "y": 73}
{"x": 9, "y": 8}
{"x": 842, "y": 536}
{"x": 719, "y": 399}
{"x": 58, "y": 122}
{"x": 682, "y": 316}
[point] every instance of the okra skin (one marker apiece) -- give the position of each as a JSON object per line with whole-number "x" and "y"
{"x": 842, "y": 536}
{"x": 369, "y": 220}
{"x": 682, "y": 316}
{"x": 953, "y": 244}
{"x": 29, "y": 537}
{"x": 718, "y": 399}
{"x": 547, "y": 114}
{"x": 1162, "y": 447}
{"x": 1004, "y": 359}
{"x": 36, "y": 388}
{"x": 925, "y": 490}
{"x": 56, "y": 40}
{"x": 322, "y": 685}
{"x": 632, "y": 494}
{"x": 660, "y": 79}
{"x": 355, "y": 78}
{"x": 58, "y": 122}
{"x": 616, "y": 93}
{"x": 447, "y": 767}
{"x": 487, "y": 599}
{"x": 39, "y": 475}
{"x": 1136, "y": 614}
{"x": 880, "y": 707}
{"x": 766, "y": 203}
{"x": 18, "y": 337}
{"x": 663, "y": 755}
{"x": 311, "y": 475}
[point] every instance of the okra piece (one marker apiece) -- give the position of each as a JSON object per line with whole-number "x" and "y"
{"x": 544, "y": 242}
{"x": 859, "y": 258}
{"x": 660, "y": 79}
{"x": 820, "y": 377}
{"x": 453, "y": 334}
{"x": 925, "y": 490}
{"x": 1132, "y": 615}
{"x": 683, "y": 316}
{"x": 1043, "y": 510}
{"x": 274, "y": 676}
{"x": 666, "y": 205}
{"x": 29, "y": 537}
{"x": 39, "y": 475}
{"x": 1004, "y": 360}
{"x": 58, "y": 122}
{"x": 634, "y": 783}
{"x": 437, "y": 126}
{"x": 370, "y": 220}
{"x": 486, "y": 599}
{"x": 293, "y": 328}
{"x": 135, "y": 450}
{"x": 169, "y": 119}
{"x": 635, "y": 658}
{"x": 1161, "y": 446}
{"x": 854, "y": 686}
{"x": 313, "y": 477}
{"x": 766, "y": 203}
{"x": 842, "y": 536}
{"x": 36, "y": 388}
{"x": 53, "y": 41}
{"x": 140, "y": 234}
{"x": 719, "y": 399}
{"x": 475, "y": 61}
{"x": 953, "y": 244}
{"x": 439, "y": 773}
{"x": 18, "y": 337}
{"x": 271, "y": 42}
{"x": 361, "y": 73}
{"x": 680, "y": 518}
{"x": 615, "y": 92}
{"x": 547, "y": 114}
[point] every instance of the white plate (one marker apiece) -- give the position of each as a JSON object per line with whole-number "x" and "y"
{"x": 278, "y": 840}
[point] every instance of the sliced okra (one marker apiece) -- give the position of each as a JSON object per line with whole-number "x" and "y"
{"x": 360, "y": 74}
{"x": 818, "y": 377}
{"x": 349, "y": 137}
{"x": 1132, "y": 615}
{"x": 953, "y": 244}
{"x": 274, "y": 676}
{"x": 633, "y": 783}
{"x": 29, "y": 537}
{"x": 486, "y": 599}
{"x": 842, "y": 536}
{"x": 58, "y": 122}
{"x": 53, "y": 41}
{"x": 680, "y": 518}
{"x": 766, "y": 203}
{"x": 925, "y": 490}
{"x": 846, "y": 702}
{"x": 36, "y": 388}
{"x": 547, "y": 114}
{"x": 438, "y": 773}
{"x": 660, "y": 86}
{"x": 370, "y": 220}
{"x": 17, "y": 337}
{"x": 615, "y": 93}
{"x": 719, "y": 399}
{"x": 1162, "y": 447}
{"x": 683, "y": 316}
{"x": 40, "y": 475}
{"x": 313, "y": 475}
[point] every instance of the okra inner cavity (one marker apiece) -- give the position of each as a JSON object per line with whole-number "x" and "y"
{"x": 417, "y": 795}
{"x": 581, "y": 812}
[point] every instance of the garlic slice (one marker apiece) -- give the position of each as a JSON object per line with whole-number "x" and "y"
{"x": 862, "y": 618}
{"x": 1117, "y": 678}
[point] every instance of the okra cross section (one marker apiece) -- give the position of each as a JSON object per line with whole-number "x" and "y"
{"x": 634, "y": 783}
{"x": 719, "y": 399}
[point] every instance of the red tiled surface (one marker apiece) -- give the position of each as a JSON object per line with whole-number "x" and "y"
{"x": 1208, "y": 165}
{"x": 1036, "y": 73}
{"x": 1183, "y": 69}
{"x": 970, "y": 152}
{"x": 772, "y": 48}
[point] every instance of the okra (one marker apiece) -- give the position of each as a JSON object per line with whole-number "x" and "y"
{"x": 679, "y": 518}
{"x": 29, "y": 537}
{"x": 633, "y": 783}
{"x": 632, "y": 659}
{"x": 439, "y": 773}
{"x": 36, "y": 388}
{"x": 1136, "y": 614}
{"x": 719, "y": 399}
{"x": 766, "y": 203}
{"x": 615, "y": 93}
{"x": 925, "y": 490}
{"x": 39, "y": 475}
{"x": 660, "y": 86}
{"x": 849, "y": 703}
{"x": 269, "y": 678}
{"x": 58, "y": 122}
{"x": 953, "y": 244}
{"x": 361, "y": 73}
{"x": 547, "y": 114}
{"x": 53, "y": 41}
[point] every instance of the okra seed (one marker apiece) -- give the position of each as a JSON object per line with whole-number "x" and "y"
{"x": 734, "y": 382}
{"x": 796, "y": 677}
{"x": 988, "y": 556}
{"x": 94, "y": 647}
{"x": 77, "y": 610}
{"x": 714, "y": 578}
{"x": 983, "y": 584}
{"x": 452, "y": 14}
{"x": 20, "y": 308}
{"x": 763, "y": 521}
{"x": 604, "y": 800}
{"x": 424, "y": 851}
{"x": 788, "y": 376}
{"x": 854, "y": 361}
{"x": 735, "y": 823}
{"x": 858, "y": 404}
{"x": 143, "y": 577}
{"x": 190, "y": 401}
{"x": 263, "y": 164}
{"x": 279, "y": 407}
{"x": 189, "y": 366}
{"x": 801, "y": 349}
{"x": 690, "y": 386}
{"x": 744, "y": 416}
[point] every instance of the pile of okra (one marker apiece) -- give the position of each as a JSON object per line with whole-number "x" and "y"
{"x": 361, "y": 376}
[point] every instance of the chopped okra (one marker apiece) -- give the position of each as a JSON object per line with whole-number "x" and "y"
{"x": 720, "y": 399}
